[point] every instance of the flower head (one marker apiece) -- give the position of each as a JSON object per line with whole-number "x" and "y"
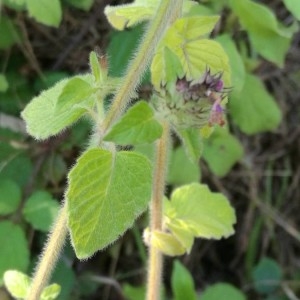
{"x": 194, "y": 103}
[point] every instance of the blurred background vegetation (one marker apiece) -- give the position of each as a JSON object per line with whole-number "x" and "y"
{"x": 258, "y": 169}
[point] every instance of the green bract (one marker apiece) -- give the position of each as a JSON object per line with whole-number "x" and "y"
{"x": 106, "y": 193}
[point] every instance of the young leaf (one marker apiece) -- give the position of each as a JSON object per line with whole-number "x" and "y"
{"x": 44, "y": 118}
{"x": 193, "y": 52}
{"x": 106, "y": 193}
{"x": 254, "y": 109}
{"x": 48, "y": 12}
{"x": 137, "y": 126}
{"x": 206, "y": 214}
{"x": 294, "y": 7}
{"x": 222, "y": 291}
{"x": 17, "y": 283}
{"x": 181, "y": 169}
{"x": 10, "y": 196}
{"x": 192, "y": 143}
{"x": 40, "y": 210}
{"x": 76, "y": 91}
{"x": 221, "y": 151}
{"x": 14, "y": 252}
{"x": 182, "y": 283}
{"x": 50, "y": 292}
{"x": 270, "y": 39}
{"x": 167, "y": 243}
{"x": 95, "y": 66}
{"x": 125, "y": 16}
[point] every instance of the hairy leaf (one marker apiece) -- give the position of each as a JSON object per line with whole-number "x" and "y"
{"x": 106, "y": 192}
{"x": 55, "y": 109}
{"x": 201, "y": 212}
{"x": 194, "y": 53}
{"x": 137, "y": 126}
{"x": 17, "y": 283}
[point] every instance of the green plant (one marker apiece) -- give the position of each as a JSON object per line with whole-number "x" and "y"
{"x": 122, "y": 182}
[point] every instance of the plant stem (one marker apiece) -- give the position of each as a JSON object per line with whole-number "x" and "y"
{"x": 156, "y": 214}
{"x": 50, "y": 256}
{"x": 135, "y": 70}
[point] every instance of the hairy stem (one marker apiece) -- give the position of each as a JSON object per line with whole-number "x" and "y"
{"x": 156, "y": 214}
{"x": 49, "y": 256}
{"x": 165, "y": 14}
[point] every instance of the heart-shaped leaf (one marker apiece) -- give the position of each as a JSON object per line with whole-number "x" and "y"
{"x": 106, "y": 193}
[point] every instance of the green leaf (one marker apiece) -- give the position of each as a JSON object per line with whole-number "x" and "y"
{"x": 82, "y": 4}
{"x": 182, "y": 283}
{"x": 192, "y": 143}
{"x": 14, "y": 252}
{"x": 48, "y": 12}
{"x": 10, "y": 196}
{"x": 15, "y": 165}
{"x": 124, "y": 16}
{"x": 193, "y": 51}
{"x": 3, "y": 82}
{"x": 15, "y": 4}
{"x": 167, "y": 243}
{"x": 51, "y": 292}
{"x": 137, "y": 126}
{"x": 133, "y": 293}
{"x": 44, "y": 118}
{"x": 76, "y": 91}
{"x": 221, "y": 151}
{"x": 17, "y": 283}
{"x": 181, "y": 169}
{"x": 294, "y": 7}
{"x": 222, "y": 291}
{"x": 200, "y": 211}
{"x": 106, "y": 192}
{"x": 40, "y": 210}
{"x": 95, "y": 66}
{"x": 254, "y": 109}
{"x": 270, "y": 39}
{"x": 267, "y": 276}
{"x": 237, "y": 67}
{"x": 8, "y": 32}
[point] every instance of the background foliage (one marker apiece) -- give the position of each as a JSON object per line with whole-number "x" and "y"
{"x": 253, "y": 161}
